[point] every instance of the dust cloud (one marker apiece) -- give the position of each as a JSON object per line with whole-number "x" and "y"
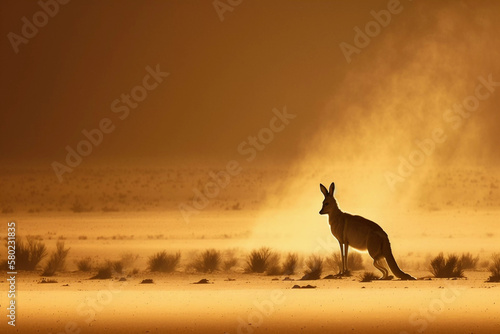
{"x": 406, "y": 129}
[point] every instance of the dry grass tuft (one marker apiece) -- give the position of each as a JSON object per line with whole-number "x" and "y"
{"x": 104, "y": 271}
{"x": 446, "y": 268}
{"x": 84, "y": 264}
{"x": 258, "y": 260}
{"x": 57, "y": 261}
{"x": 495, "y": 269}
{"x": 314, "y": 264}
{"x": 208, "y": 261}
{"x": 368, "y": 277}
{"x": 164, "y": 262}
{"x": 290, "y": 264}
{"x": 29, "y": 253}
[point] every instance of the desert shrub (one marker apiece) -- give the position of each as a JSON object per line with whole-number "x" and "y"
{"x": 57, "y": 261}
{"x": 446, "y": 268}
{"x": 290, "y": 264}
{"x": 468, "y": 261}
{"x": 354, "y": 261}
{"x": 273, "y": 264}
{"x": 314, "y": 264}
{"x": 164, "y": 262}
{"x": 495, "y": 269}
{"x": 258, "y": 260}
{"x": 104, "y": 271}
{"x": 29, "y": 253}
{"x": 208, "y": 261}
{"x": 368, "y": 277}
{"x": 84, "y": 264}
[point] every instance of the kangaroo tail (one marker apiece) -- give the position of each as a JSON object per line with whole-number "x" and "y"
{"x": 387, "y": 251}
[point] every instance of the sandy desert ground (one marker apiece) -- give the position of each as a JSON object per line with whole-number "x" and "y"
{"x": 256, "y": 304}
{"x": 234, "y": 301}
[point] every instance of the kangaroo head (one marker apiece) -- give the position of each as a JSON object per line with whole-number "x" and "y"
{"x": 329, "y": 203}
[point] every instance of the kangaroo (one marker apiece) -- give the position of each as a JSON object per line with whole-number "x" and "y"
{"x": 359, "y": 233}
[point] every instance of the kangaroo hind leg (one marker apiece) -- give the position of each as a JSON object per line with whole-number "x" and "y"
{"x": 374, "y": 245}
{"x": 379, "y": 264}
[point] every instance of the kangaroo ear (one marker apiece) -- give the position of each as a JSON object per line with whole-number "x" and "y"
{"x": 332, "y": 188}
{"x": 323, "y": 189}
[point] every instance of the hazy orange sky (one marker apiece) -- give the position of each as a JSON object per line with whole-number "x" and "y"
{"x": 226, "y": 77}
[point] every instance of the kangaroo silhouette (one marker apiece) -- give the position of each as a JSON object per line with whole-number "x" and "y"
{"x": 359, "y": 233}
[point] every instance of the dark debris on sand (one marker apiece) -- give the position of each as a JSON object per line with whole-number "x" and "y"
{"x": 203, "y": 281}
{"x": 308, "y": 286}
{"x": 46, "y": 281}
